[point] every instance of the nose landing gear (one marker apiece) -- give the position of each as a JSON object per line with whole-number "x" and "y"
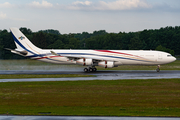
{"x": 158, "y": 68}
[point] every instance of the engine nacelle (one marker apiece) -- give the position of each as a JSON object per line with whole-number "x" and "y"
{"x": 106, "y": 64}
{"x": 84, "y": 62}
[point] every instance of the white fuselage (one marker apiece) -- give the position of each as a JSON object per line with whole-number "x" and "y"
{"x": 120, "y": 57}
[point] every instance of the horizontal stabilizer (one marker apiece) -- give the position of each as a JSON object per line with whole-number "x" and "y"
{"x": 23, "y": 53}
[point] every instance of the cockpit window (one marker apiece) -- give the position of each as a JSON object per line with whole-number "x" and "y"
{"x": 169, "y": 55}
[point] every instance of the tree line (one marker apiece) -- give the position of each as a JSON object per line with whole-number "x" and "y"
{"x": 164, "y": 39}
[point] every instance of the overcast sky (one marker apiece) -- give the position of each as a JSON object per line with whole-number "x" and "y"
{"x": 77, "y": 16}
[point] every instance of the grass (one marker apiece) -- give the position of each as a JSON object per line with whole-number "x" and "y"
{"x": 99, "y": 98}
{"x": 16, "y": 76}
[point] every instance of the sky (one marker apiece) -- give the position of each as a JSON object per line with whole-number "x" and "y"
{"x": 77, "y": 16}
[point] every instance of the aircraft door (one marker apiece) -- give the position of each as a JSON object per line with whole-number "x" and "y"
{"x": 159, "y": 55}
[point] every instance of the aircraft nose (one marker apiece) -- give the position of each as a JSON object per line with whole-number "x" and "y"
{"x": 173, "y": 59}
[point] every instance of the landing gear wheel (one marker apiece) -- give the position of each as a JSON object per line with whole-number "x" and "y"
{"x": 158, "y": 69}
{"x": 86, "y": 70}
{"x": 94, "y": 69}
{"x": 90, "y": 70}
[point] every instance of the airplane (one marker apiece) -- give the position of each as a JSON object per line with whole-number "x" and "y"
{"x": 89, "y": 58}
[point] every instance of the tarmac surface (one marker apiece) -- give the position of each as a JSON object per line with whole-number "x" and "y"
{"x": 100, "y": 75}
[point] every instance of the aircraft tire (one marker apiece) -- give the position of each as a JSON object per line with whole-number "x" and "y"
{"x": 86, "y": 70}
{"x": 94, "y": 69}
{"x": 90, "y": 69}
{"x": 158, "y": 70}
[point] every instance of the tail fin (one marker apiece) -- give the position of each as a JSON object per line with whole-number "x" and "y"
{"x": 22, "y": 42}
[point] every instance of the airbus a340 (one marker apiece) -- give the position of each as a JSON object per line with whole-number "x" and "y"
{"x": 89, "y": 58}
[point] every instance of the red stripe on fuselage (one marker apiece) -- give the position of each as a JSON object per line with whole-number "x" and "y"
{"x": 108, "y": 51}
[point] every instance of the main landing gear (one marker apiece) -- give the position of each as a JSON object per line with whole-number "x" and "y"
{"x": 90, "y": 69}
{"x": 158, "y": 68}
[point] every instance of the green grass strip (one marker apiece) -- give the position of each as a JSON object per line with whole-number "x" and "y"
{"x": 12, "y": 76}
{"x": 157, "y": 97}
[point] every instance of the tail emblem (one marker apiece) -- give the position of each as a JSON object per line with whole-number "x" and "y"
{"x": 21, "y": 37}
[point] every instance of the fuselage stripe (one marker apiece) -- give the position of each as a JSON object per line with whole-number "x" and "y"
{"x": 65, "y": 54}
{"x": 108, "y": 51}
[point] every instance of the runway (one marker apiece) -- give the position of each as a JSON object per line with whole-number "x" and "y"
{"x": 100, "y": 75}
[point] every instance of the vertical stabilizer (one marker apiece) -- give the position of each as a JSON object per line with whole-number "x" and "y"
{"x": 22, "y": 42}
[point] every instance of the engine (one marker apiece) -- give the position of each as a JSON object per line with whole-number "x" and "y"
{"x": 106, "y": 64}
{"x": 88, "y": 62}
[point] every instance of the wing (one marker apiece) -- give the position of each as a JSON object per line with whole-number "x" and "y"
{"x": 77, "y": 57}
{"x": 70, "y": 57}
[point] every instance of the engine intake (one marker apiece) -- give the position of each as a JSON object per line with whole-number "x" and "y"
{"x": 84, "y": 62}
{"x": 106, "y": 64}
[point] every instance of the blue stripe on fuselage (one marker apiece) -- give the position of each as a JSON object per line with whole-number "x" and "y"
{"x": 21, "y": 45}
{"x": 88, "y": 54}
